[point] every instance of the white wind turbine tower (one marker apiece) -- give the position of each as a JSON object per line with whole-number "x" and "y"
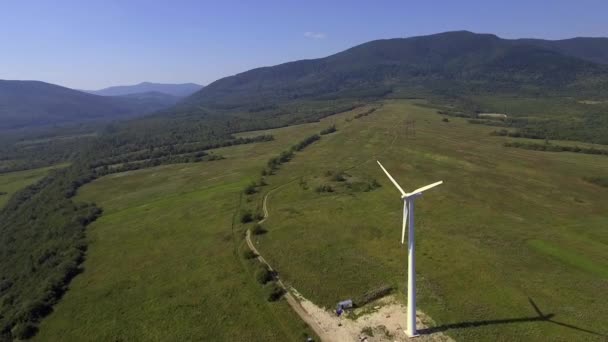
{"x": 408, "y": 215}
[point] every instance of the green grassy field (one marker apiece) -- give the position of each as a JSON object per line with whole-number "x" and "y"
{"x": 13, "y": 181}
{"x": 507, "y": 225}
{"x": 163, "y": 263}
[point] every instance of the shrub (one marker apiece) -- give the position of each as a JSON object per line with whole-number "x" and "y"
{"x": 249, "y": 254}
{"x": 324, "y": 188}
{"x": 250, "y": 189}
{"x": 246, "y": 217}
{"x": 258, "y": 229}
{"x": 601, "y": 181}
{"x": 445, "y": 120}
{"x": 302, "y": 144}
{"x": 24, "y": 331}
{"x": 285, "y": 156}
{"x": 374, "y": 184}
{"x": 274, "y": 292}
{"x": 263, "y": 275}
{"x": 329, "y": 130}
{"x": 259, "y": 216}
{"x": 339, "y": 177}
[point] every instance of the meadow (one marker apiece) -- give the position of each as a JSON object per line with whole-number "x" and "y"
{"x": 508, "y": 225}
{"x": 165, "y": 260}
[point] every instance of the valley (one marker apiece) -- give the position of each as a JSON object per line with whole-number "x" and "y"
{"x": 255, "y": 208}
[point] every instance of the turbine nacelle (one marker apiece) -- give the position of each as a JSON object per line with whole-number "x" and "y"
{"x": 411, "y": 195}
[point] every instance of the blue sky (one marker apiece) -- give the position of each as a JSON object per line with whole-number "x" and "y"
{"x": 89, "y": 44}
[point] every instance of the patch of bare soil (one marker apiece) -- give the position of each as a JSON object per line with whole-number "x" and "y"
{"x": 384, "y": 321}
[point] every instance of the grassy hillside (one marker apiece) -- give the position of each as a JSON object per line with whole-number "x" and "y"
{"x": 165, "y": 262}
{"x": 162, "y": 261}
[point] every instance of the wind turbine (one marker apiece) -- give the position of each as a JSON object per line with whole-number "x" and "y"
{"x": 408, "y": 215}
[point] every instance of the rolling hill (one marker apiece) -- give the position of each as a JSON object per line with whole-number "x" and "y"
{"x": 179, "y": 90}
{"x": 26, "y": 104}
{"x": 447, "y": 63}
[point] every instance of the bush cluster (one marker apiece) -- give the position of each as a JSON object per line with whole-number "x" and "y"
{"x": 556, "y": 148}
{"x": 329, "y": 130}
{"x": 263, "y": 274}
{"x": 274, "y": 292}
{"x": 366, "y": 113}
{"x": 258, "y": 229}
{"x": 324, "y": 188}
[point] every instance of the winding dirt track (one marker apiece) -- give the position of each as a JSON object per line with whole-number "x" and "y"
{"x": 291, "y": 300}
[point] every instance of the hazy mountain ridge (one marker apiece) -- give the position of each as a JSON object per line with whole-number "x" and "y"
{"x": 35, "y": 103}
{"x": 179, "y": 90}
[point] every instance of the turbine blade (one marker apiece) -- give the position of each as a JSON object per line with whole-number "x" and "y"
{"x": 405, "y": 217}
{"x": 424, "y": 188}
{"x": 391, "y": 178}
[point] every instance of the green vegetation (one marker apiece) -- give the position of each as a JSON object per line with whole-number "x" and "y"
{"x": 447, "y": 64}
{"x": 164, "y": 261}
{"x": 472, "y": 240}
{"x": 262, "y": 274}
{"x": 553, "y": 217}
{"x": 40, "y": 266}
{"x": 473, "y": 231}
{"x": 329, "y": 130}
{"x": 14, "y": 181}
{"x": 258, "y": 229}
{"x": 274, "y": 292}
{"x": 556, "y": 148}
{"x": 554, "y": 118}
{"x": 571, "y": 258}
{"x": 601, "y": 181}
{"x": 249, "y": 254}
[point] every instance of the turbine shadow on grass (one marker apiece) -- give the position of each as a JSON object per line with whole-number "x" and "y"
{"x": 474, "y": 324}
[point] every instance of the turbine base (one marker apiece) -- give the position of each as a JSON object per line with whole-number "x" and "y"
{"x": 410, "y": 335}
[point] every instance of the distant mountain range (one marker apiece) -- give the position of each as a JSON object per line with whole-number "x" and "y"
{"x": 34, "y": 104}
{"x": 446, "y": 63}
{"x": 451, "y": 63}
{"x": 179, "y": 90}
